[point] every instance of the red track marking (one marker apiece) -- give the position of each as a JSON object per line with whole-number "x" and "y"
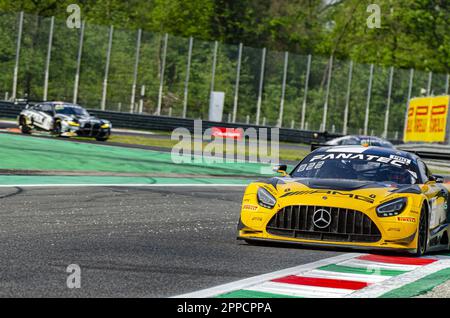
{"x": 321, "y": 282}
{"x": 397, "y": 260}
{"x": 14, "y": 130}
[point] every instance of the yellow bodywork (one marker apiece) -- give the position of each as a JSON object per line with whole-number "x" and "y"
{"x": 397, "y": 232}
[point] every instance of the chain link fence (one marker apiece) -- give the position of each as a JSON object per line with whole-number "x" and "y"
{"x": 142, "y": 72}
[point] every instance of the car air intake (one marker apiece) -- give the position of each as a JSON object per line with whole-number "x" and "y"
{"x": 323, "y": 223}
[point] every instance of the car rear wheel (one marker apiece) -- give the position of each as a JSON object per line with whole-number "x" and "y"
{"x": 422, "y": 233}
{"x": 24, "y": 128}
{"x": 57, "y": 129}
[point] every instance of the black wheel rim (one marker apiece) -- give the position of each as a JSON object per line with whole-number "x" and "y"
{"x": 422, "y": 232}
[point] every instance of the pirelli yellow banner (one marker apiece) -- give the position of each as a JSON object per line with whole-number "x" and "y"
{"x": 427, "y": 119}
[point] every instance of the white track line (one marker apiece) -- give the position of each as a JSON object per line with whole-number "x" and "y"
{"x": 300, "y": 290}
{"x": 122, "y": 185}
{"x": 250, "y": 282}
{"x": 372, "y": 278}
{"x": 359, "y": 263}
{"x": 401, "y": 280}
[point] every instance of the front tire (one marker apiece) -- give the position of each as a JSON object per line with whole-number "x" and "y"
{"x": 422, "y": 234}
{"x": 102, "y": 138}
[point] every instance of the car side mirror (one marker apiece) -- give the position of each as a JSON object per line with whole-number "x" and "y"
{"x": 436, "y": 178}
{"x": 281, "y": 169}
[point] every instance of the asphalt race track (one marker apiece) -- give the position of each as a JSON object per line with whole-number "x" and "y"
{"x": 141, "y": 240}
{"x": 129, "y": 242}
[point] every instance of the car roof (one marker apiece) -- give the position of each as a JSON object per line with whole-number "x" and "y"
{"x": 53, "y": 103}
{"x": 361, "y": 137}
{"x": 371, "y": 150}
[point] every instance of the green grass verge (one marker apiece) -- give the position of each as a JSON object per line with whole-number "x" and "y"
{"x": 32, "y": 153}
{"x": 285, "y": 154}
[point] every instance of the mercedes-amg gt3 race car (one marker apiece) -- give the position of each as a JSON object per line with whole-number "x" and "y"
{"x": 351, "y": 196}
{"x": 63, "y": 119}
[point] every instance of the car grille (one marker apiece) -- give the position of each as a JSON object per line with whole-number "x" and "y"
{"x": 346, "y": 225}
{"x": 90, "y": 130}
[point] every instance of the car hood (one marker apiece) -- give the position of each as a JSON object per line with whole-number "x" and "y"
{"x": 371, "y": 192}
{"x": 341, "y": 184}
{"x": 78, "y": 118}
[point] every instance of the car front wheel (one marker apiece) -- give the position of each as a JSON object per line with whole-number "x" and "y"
{"x": 102, "y": 138}
{"x": 422, "y": 233}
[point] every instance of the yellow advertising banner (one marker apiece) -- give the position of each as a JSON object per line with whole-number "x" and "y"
{"x": 427, "y": 119}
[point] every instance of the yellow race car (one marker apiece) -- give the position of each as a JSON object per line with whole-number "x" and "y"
{"x": 351, "y": 196}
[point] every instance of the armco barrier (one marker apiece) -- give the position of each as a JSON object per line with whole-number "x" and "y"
{"x": 164, "y": 123}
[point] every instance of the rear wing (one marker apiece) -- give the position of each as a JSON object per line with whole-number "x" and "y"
{"x": 317, "y": 146}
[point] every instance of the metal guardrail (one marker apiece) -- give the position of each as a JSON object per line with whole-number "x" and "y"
{"x": 164, "y": 123}
{"x": 428, "y": 151}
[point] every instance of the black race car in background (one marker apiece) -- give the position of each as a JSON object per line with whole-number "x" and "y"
{"x": 63, "y": 119}
{"x": 358, "y": 140}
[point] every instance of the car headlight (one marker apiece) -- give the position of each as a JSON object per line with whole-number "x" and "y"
{"x": 392, "y": 208}
{"x": 105, "y": 125}
{"x": 265, "y": 199}
{"x": 72, "y": 123}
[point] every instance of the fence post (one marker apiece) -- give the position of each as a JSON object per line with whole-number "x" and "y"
{"x": 49, "y": 55}
{"x": 77, "y": 72}
{"x": 411, "y": 82}
{"x": 327, "y": 94}
{"x": 141, "y": 100}
{"x": 283, "y": 89}
{"x": 305, "y": 96}
{"x": 261, "y": 86}
{"x": 186, "y": 81}
{"x": 16, "y": 66}
{"x": 213, "y": 71}
{"x": 236, "y": 89}
{"x": 369, "y": 95}
{"x": 136, "y": 68}
{"x": 388, "y": 104}
{"x": 430, "y": 79}
{"x": 108, "y": 58}
{"x": 163, "y": 69}
{"x": 347, "y": 97}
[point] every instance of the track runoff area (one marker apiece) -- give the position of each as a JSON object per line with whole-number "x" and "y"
{"x": 30, "y": 162}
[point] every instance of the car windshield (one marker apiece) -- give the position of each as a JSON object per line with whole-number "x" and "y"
{"x": 70, "y": 110}
{"x": 357, "y": 166}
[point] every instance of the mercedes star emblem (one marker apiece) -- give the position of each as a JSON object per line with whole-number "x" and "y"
{"x": 322, "y": 218}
